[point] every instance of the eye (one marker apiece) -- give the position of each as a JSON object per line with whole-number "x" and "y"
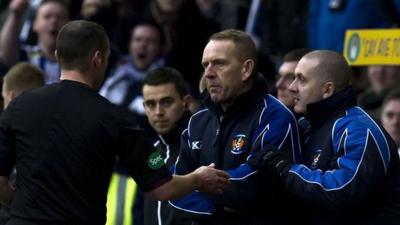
{"x": 167, "y": 102}
{"x": 150, "y": 104}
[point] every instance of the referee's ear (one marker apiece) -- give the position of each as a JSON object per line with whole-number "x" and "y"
{"x": 97, "y": 58}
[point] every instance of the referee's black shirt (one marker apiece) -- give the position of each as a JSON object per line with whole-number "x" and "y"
{"x": 64, "y": 139}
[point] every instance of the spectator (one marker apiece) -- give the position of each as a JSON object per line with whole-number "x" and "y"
{"x": 286, "y": 76}
{"x": 51, "y": 15}
{"x": 350, "y": 169}
{"x": 123, "y": 88}
{"x": 240, "y": 119}
{"x": 20, "y": 78}
{"x": 382, "y": 80}
{"x": 65, "y": 150}
{"x": 390, "y": 117}
{"x": 166, "y": 101}
{"x": 180, "y": 34}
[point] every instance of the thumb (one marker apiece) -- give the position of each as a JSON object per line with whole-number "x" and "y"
{"x": 212, "y": 165}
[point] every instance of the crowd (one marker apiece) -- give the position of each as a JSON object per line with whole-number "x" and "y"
{"x": 222, "y": 112}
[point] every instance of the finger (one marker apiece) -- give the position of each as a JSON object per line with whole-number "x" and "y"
{"x": 224, "y": 182}
{"x": 222, "y": 173}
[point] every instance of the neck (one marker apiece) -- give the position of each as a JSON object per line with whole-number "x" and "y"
{"x": 76, "y": 76}
{"x": 48, "y": 51}
{"x": 247, "y": 85}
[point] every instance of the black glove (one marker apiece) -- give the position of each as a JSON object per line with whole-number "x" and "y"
{"x": 272, "y": 160}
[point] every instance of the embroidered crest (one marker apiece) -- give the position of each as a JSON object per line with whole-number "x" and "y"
{"x": 238, "y": 143}
{"x": 317, "y": 155}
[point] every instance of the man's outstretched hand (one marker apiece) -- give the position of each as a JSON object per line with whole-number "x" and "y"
{"x": 274, "y": 161}
{"x": 211, "y": 180}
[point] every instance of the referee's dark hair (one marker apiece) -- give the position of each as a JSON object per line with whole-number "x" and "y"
{"x": 167, "y": 75}
{"x": 77, "y": 42}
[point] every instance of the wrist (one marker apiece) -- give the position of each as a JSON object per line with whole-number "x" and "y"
{"x": 196, "y": 180}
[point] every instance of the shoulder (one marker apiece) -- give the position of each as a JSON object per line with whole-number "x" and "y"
{"x": 355, "y": 119}
{"x": 274, "y": 109}
{"x": 359, "y": 127}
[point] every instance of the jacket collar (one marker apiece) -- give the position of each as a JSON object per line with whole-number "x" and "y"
{"x": 333, "y": 106}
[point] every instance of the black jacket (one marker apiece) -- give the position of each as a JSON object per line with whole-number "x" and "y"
{"x": 350, "y": 173}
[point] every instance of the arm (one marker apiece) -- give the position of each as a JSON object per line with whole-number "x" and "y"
{"x": 360, "y": 161}
{"x": 6, "y": 191}
{"x": 205, "y": 179}
{"x": 147, "y": 167}
{"x": 9, "y": 39}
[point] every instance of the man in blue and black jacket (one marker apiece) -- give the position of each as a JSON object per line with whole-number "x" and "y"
{"x": 350, "y": 173}
{"x": 239, "y": 120}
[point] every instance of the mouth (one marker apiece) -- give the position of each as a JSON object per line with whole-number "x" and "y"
{"x": 53, "y": 33}
{"x": 161, "y": 122}
{"x": 213, "y": 87}
{"x": 142, "y": 56}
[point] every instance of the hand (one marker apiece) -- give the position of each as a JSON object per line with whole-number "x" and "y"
{"x": 276, "y": 162}
{"x": 211, "y": 180}
{"x": 18, "y": 7}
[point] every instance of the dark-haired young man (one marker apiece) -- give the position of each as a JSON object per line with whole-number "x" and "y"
{"x": 166, "y": 100}
{"x": 65, "y": 149}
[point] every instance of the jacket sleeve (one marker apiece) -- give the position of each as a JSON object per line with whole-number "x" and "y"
{"x": 195, "y": 205}
{"x": 361, "y": 160}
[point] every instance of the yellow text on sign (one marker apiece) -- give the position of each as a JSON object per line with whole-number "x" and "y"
{"x": 372, "y": 47}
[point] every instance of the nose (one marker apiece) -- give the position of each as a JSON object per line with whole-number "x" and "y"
{"x": 209, "y": 72}
{"x": 293, "y": 86}
{"x": 159, "y": 110}
{"x": 279, "y": 83}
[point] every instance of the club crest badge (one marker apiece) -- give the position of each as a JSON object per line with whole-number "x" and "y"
{"x": 238, "y": 143}
{"x": 317, "y": 156}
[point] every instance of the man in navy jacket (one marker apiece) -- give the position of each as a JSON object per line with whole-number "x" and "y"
{"x": 240, "y": 119}
{"x": 350, "y": 173}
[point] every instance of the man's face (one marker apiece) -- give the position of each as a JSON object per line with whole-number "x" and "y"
{"x": 391, "y": 119}
{"x": 50, "y": 18}
{"x": 91, "y": 7}
{"x": 307, "y": 86}
{"x": 286, "y": 76}
{"x": 144, "y": 46}
{"x": 163, "y": 106}
{"x": 383, "y": 77}
{"x": 223, "y": 72}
